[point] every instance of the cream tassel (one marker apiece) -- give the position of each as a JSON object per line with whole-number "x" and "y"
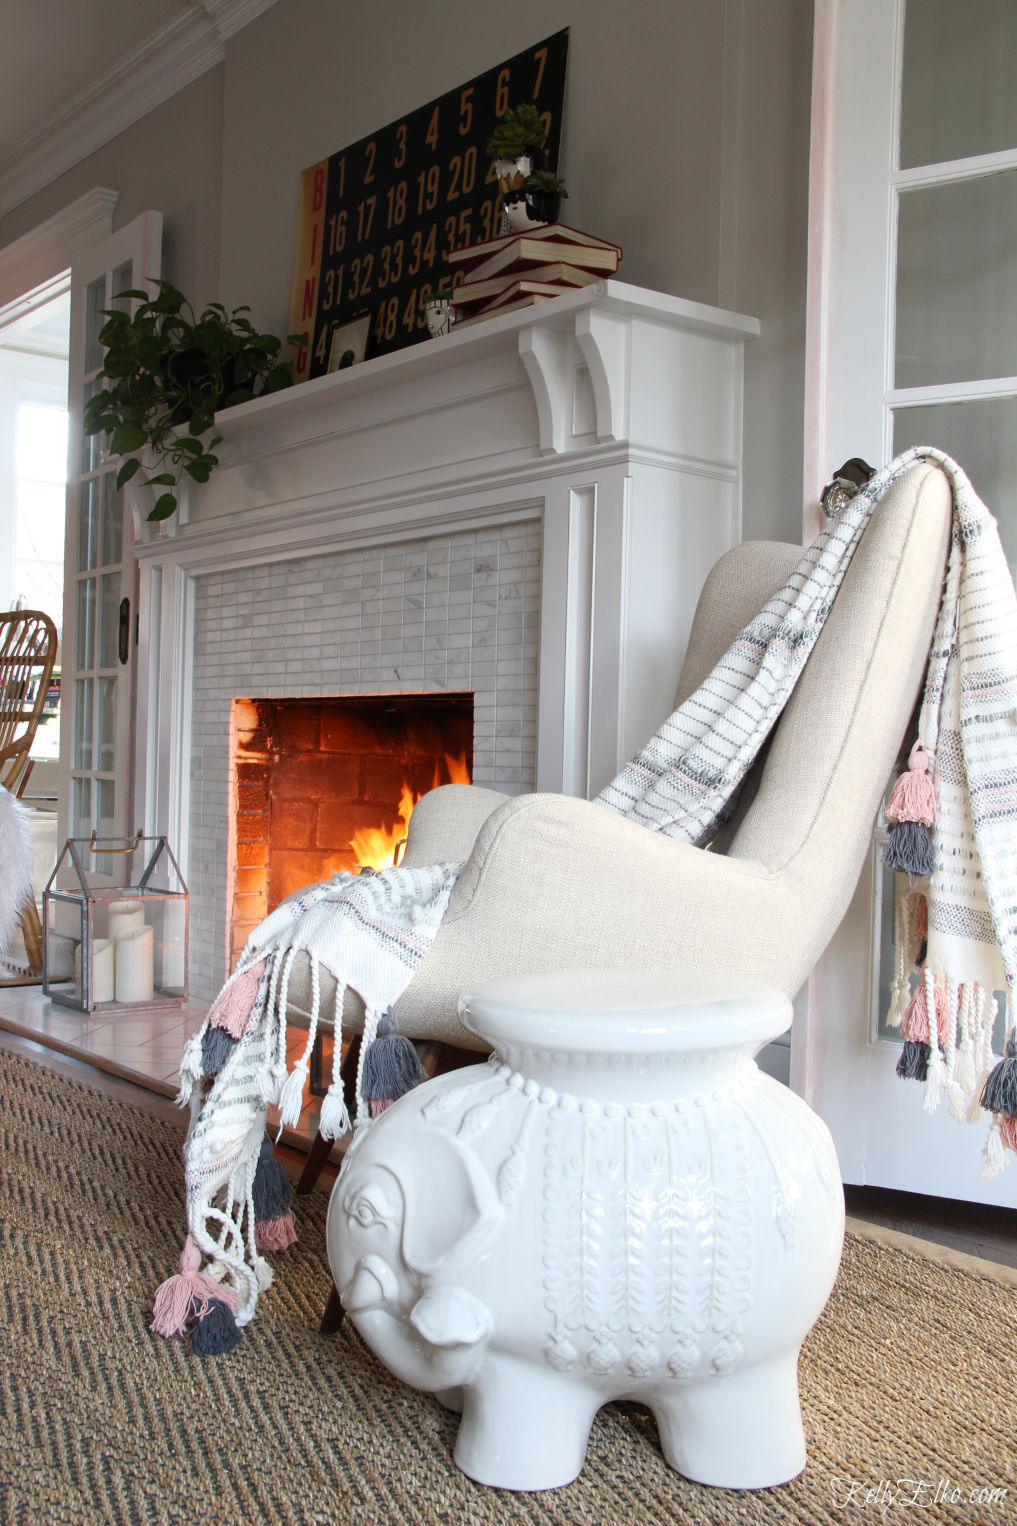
{"x": 334, "y": 1120}
{"x": 372, "y": 1017}
{"x": 937, "y": 1070}
{"x": 291, "y": 1098}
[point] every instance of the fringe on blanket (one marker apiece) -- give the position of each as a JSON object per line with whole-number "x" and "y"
{"x": 947, "y": 1030}
{"x": 233, "y": 1069}
{"x": 951, "y": 842}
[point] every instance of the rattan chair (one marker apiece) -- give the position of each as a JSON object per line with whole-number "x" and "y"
{"x": 28, "y": 650}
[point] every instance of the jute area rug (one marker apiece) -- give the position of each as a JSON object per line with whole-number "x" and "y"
{"x": 908, "y": 1383}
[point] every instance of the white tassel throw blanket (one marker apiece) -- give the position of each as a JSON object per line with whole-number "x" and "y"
{"x": 954, "y": 836}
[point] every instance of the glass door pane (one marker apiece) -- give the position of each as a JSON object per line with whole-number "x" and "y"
{"x": 957, "y": 282}
{"x": 982, "y": 436}
{"x": 957, "y": 93}
{"x": 99, "y": 567}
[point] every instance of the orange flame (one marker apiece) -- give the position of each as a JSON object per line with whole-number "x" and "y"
{"x": 379, "y": 847}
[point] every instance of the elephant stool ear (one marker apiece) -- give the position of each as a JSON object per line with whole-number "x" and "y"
{"x": 450, "y": 1317}
{"x": 451, "y": 1205}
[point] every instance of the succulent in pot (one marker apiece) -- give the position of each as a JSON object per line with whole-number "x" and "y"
{"x": 166, "y": 373}
{"x": 514, "y": 145}
{"x": 544, "y": 193}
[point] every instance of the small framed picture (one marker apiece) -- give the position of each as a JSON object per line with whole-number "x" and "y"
{"x": 349, "y": 344}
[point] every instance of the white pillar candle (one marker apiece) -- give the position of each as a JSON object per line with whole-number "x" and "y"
{"x": 124, "y": 914}
{"x": 134, "y": 954}
{"x": 102, "y": 971}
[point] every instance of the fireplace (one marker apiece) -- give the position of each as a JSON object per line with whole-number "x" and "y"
{"x": 320, "y": 785}
{"x": 524, "y": 512}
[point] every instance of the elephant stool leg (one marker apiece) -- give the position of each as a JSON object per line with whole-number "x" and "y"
{"x": 523, "y": 1427}
{"x": 334, "y": 1313}
{"x": 741, "y": 1430}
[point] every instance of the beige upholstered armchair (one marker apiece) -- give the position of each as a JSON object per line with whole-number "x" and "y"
{"x": 556, "y": 883}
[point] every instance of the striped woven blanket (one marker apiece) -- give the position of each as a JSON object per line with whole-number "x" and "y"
{"x": 954, "y": 836}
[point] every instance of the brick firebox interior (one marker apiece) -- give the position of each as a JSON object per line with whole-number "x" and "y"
{"x": 328, "y": 784}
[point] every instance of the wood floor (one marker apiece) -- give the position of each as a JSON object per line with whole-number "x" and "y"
{"x": 138, "y": 1066}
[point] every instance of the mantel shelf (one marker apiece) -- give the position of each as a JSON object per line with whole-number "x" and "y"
{"x": 481, "y": 341}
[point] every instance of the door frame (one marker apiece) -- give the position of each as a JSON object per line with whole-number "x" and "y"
{"x": 850, "y": 398}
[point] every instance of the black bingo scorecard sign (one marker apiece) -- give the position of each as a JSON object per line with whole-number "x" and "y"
{"x": 377, "y": 219}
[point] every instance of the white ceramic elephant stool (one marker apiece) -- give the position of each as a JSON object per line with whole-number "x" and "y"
{"x": 618, "y": 1205}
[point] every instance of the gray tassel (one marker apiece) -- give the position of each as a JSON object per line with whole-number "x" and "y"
{"x": 999, "y": 1094}
{"x": 216, "y": 1048}
{"x": 909, "y": 850}
{"x": 913, "y": 1064}
{"x": 216, "y": 1332}
{"x": 391, "y": 1066}
{"x": 271, "y": 1191}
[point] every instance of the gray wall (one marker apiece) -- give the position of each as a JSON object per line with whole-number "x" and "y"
{"x": 169, "y": 162}
{"x": 686, "y": 141}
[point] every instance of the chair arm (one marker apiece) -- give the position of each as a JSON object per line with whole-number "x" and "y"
{"x": 445, "y": 822}
{"x": 559, "y": 883}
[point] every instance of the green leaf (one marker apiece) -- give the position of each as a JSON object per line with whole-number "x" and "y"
{"x": 126, "y": 438}
{"x": 279, "y": 377}
{"x": 198, "y": 470}
{"x": 128, "y": 470}
{"x": 164, "y": 507}
{"x": 149, "y": 352}
{"x": 161, "y": 479}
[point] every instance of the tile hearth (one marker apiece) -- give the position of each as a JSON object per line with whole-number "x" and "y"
{"x": 145, "y": 1049}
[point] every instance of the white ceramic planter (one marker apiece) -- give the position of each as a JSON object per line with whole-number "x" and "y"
{"x": 619, "y": 1204}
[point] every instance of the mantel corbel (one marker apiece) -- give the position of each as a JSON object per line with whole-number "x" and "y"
{"x": 603, "y": 340}
{"x": 544, "y": 354}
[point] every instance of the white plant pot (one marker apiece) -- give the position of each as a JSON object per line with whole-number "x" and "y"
{"x": 518, "y": 216}
{"x": 619, "y": 1204}
{"x": 440, "y": 317}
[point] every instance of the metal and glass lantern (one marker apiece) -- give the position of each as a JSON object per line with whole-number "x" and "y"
{"x": 120, "y": 948}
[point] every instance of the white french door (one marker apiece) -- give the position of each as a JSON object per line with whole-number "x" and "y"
{"x": 912, "y": 340}
{"x": 98, "y": 650}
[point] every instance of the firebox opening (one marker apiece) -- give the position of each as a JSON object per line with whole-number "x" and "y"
{"x": 322, "y": 785}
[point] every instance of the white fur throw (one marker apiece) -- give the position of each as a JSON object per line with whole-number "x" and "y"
{"x": 15, "y": 863}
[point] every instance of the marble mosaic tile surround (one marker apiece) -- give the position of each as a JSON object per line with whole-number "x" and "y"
{"x": 456, "y": 612}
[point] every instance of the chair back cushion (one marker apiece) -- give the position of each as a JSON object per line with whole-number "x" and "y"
{"x": 836, "y": 743}
{"x": 736, "y": 588}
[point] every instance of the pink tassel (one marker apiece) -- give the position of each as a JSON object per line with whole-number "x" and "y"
{"x": 913, "y": 797}
{"x": 915, "y": 1026}
{"x": 922, "y": 919}
{"x": 275, "y": 1234}
{"x": 378, "y": 1105}
{"x": 1008, "y": 1131}
{"x": 233, "y": 1006}
{"x": 173, "y": 1305}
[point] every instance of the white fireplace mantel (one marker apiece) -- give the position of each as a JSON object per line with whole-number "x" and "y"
{"x": 611, "y": 415}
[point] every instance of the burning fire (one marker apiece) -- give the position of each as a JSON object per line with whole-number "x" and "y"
{"x": 381, "y": 847}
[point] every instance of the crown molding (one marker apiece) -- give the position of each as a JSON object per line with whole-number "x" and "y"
{"x": 231, "y": 16}
{"x": 45, "y": 252}
{"x": 170, "y": 58}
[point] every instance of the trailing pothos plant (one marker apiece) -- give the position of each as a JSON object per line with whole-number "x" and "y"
{"x": 167, "y": 373}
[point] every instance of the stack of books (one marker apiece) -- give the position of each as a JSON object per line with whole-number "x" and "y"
{"x": 523, "y": 268}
